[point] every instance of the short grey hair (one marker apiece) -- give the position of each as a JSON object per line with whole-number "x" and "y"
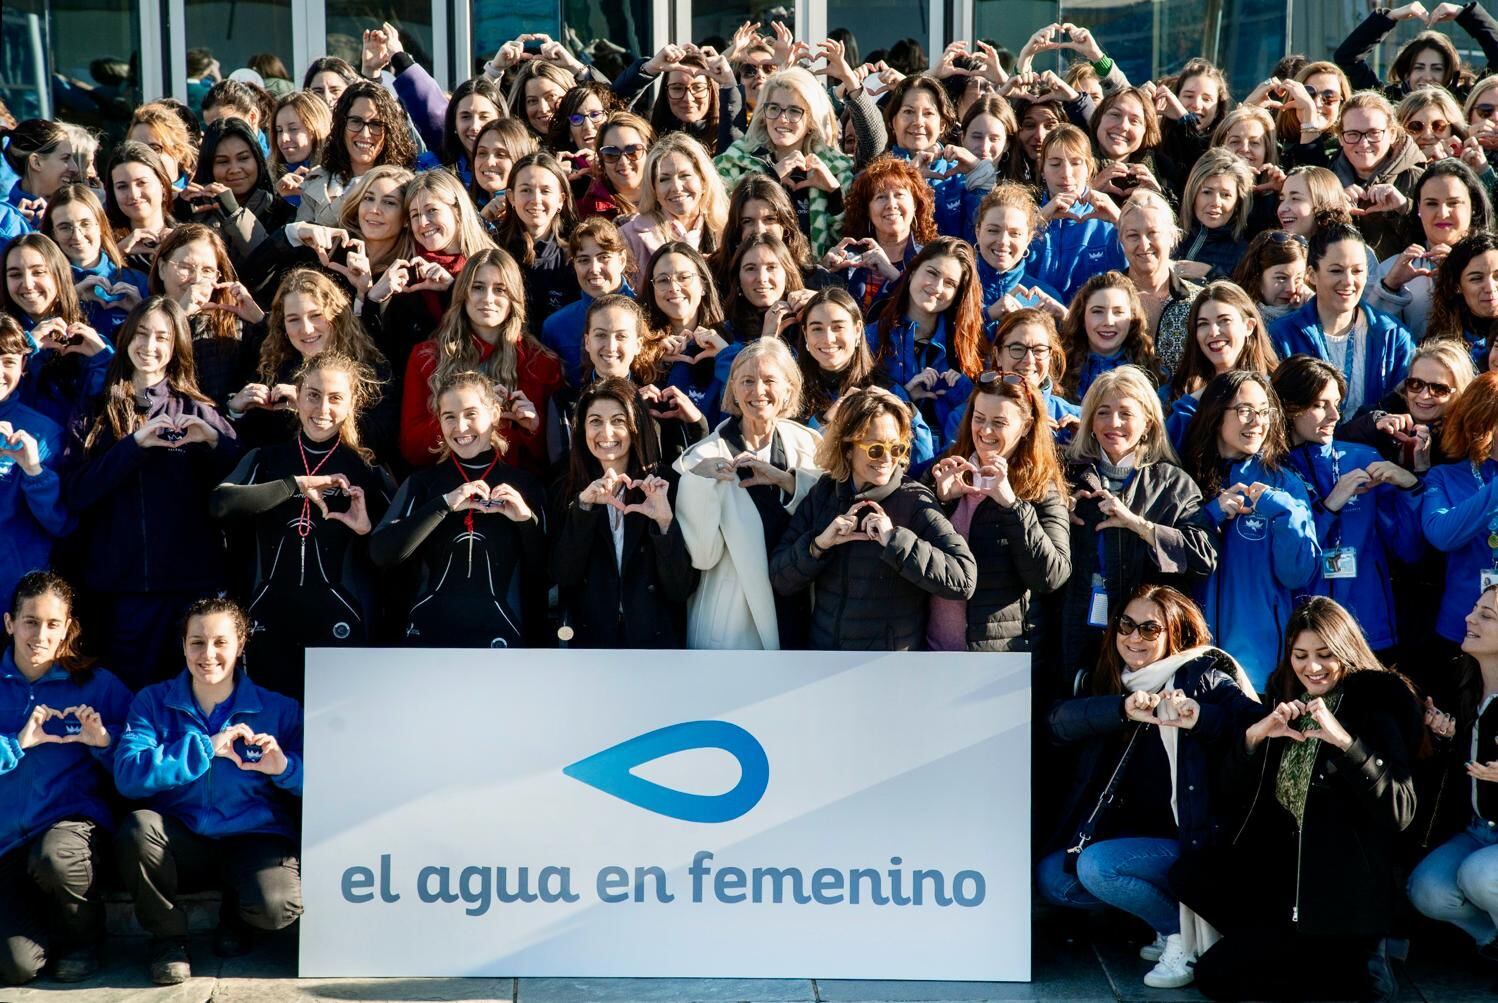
{"x": 772, "y": 350}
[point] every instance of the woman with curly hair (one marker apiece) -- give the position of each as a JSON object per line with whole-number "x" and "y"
{"x": 890, "y": 217}
{"x": 369, "y": 129}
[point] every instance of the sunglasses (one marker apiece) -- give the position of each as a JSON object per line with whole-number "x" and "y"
{"x": 879, "y": 450}
{"x": 1286, "y": 237}
{"x": 1149, "y": 630}
{"x": 992, "y": 378}
{"x": 756, "y": 70}
{"x": 1484, "y": 110}
{"x": 1415, "y": 387}
{"x": 1326, "y": 96}
{"x": 634, "y": 151}
{"x": 578, "y": 118}
{"x": 1437, "y": 128}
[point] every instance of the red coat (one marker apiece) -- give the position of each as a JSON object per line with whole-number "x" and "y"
{"x": 539, "y": 375}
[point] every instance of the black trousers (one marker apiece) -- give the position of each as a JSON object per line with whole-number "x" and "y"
{"x": 159, "y": 858}
{"x": 49, "y": 897}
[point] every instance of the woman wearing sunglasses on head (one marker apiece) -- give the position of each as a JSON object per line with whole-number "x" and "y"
{"x": 1137, "y": 516}
{"x": 1367, "y": 509}
{"x": 1310, "y": 872}
{"x": 1001, "y": 486}
{"x": 874, "y": 547}
{"x": 1159, "y": 715}
{"x": 1235, "y": 452}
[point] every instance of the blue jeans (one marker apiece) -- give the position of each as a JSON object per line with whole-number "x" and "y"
{"x": 1128, "y": 874}
{"x": 1458, "y": 882}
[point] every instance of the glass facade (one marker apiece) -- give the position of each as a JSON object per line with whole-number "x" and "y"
{"x": 347, "y": 21}
{"x": 235, "y": 30}
{"x": 79, "y": 61}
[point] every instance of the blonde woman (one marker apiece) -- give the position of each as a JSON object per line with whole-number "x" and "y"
{"x": 1215, "y": 204}
{"x": 793, "y": 138}
{"x": 682, "y": 199}
{"x": 1378, "y": 166}
{"x": 1406, "y": 425}
{"x": 1433, "y": 119}
{"x": 1138, "y": 517}
{"x": 739, "y": 488}
{"x": 1148, "y": 230}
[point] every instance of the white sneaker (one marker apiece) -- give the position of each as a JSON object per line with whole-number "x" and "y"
{"x": 1173, "y": 970}
{"x": 1152, "y": 952}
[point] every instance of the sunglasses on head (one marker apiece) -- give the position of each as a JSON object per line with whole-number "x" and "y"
{"x": 993, "y": 378}
{"x": 1149, "y": 630}
{"x": 1415, "y": 387}
{"x": 1286, "y": 237}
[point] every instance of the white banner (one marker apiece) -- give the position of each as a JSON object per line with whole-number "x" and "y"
{"x": 685, "y": 814}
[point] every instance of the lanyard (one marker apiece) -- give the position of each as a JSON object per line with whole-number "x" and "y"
{"x": 468, "y": 512}
{"x": 1492, "y": 519}
{"x": 304, "y": 524}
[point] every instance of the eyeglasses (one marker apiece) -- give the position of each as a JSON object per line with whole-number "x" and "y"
{"x": 1247, "y": 413}
{"x": 578, "y": 118}
{"x": 879, "y": 450}
{"x": 793, "y": 113}
{"x": 1415, "y": 388}
{"x": 1357, "y": 136}
{"x": 756, "y": 70}
{"x": 356, "y": 125}
{"x": 188, "y": 272}
{"x": 1148, "y": 630}
{"x": 1327, "y": 96}
{"x": 1437, "y": 128}
{"x": 1484, "y": 110}
{"x": 664, "y": 282}
{"x": 1286, "y": 237}
{"x": 679, "y": 91}
{"x": 634, "y": 151}
{"x": 1018, "y": 352}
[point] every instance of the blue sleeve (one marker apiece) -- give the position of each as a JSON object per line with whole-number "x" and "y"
{"x": 112, "y": 701}
{"x": 143, "y": 766}
{"x": 1399, "y": 352}
{"x": 1280, "y": 334}
{"x": 1399, "y": 522}
{"x": 11, "y": 753}
{"x": 43, "y": 494}
{"x": 1294, "y": 553}
{"x": 923, "y": 446}
{"x": 723, "y": 362}
{"x": 424, "y": 103}
{"x": 949, "y": 194}
{"x": 1449, "y": 524}
{"x": 290, "y": 740}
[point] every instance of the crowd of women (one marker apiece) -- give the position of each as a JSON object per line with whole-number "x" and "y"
{"x": 1190, "y": 398}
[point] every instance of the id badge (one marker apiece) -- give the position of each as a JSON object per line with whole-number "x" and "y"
{"x": 1341, "y": 562}
{"x": 1489, "y": 578}
{"x": 1097, "y": 606}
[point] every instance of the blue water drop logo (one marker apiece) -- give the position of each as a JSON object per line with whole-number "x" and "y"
{"x": 609, "y": 771}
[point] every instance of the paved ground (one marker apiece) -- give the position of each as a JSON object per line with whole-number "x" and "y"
{"x": 1097, "y": 969}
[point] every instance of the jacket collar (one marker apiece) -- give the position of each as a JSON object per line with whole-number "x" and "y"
{"x": 996, "y": 283}
{"x": 9, "y": 670}
{"x": 244, "y": 700}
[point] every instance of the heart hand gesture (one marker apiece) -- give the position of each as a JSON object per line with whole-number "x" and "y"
{"x": 238, "y": 301}
{"x": 656, "y": 505}
{"x": 673, "y": 404}
{"x": 1141, "y": 707}
{"x": 761, "y": 472}
{"x": 271, "y": 761}
{"x": 504, "y": 499}
{"x": 948, "y": 476}
{"x": 469, "y": 496}
{"x": 1351, "y": 484}
{"x": 223, "y": 742}
{"x": 429, "y": 275}
{"x": 1327, "y": 727}
{"x": 520, "y": 411}
{"x": 1279, "y": 723}
{"x": 395, "y": 281}
{"x": 21, "y": 446}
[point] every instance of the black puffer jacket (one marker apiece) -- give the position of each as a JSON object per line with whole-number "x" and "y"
{"x": 868, "y": 597}
{"x": 1184, "y": 555}
{"x": 1021, "y": 552}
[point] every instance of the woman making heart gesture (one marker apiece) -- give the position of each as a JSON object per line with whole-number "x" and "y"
{"x": 53, "y": 787}
{"x": 1140, "y": 796}
{"x": 1311, "y": 870}
{"x": 218, "y": 762}
{"x": 141, "y": 493}
{"x": 874, "y": 546}
{"x": 107, "y": 290}
{"x": 471, "y": 530}
{"x": 312, "y": 500}
{"x": 619, "y": 556}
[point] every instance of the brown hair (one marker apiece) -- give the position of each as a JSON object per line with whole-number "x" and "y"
{"x": 1034, "y": 468}
{"x": 456, "y": 351}
{"x": 34, "y": 585}
{"x": 221, "y": 323}
{"x": 1012, "y": 195}
{"x": 1185, "y": 628}
{"x": 856, "y": 412}
{"x": 921, "y": 82}
{"x": 214, "y": 605}
{"x": 1258, "y": 355}
{"x": 76, "y": 194}
{"x": 347, "y": 334}
{"x": 1268, "y": 249}
{"x": 1138, "y": 344}
{"x": 964, "y": 317}
{"x": 66, "y": 304}
{"x": 364, "y": 387}
{"x": 398, "y": 148}
{"x": 1151, "y": 138}
{"x": 646, "y": 365}
{"x": 131, "y": 152}
{"x": 316, "y": 116}
{"x": 1029, "y": 316}
{"x": 120, "y": 415}
{"x": 1288, "y": 120}
{"x": 1340, "y": 633}
{"x": 484, "y": 386}
{"x": 170, "y": 131}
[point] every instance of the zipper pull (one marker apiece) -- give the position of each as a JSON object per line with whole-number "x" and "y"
{"x": 1295, "y": 914}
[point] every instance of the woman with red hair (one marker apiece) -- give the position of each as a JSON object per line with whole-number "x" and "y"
{"x": 890, "y": 216}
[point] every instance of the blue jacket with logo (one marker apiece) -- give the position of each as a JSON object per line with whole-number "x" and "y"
{"x": 53, "y": 781}
{"x": 1071, "y": 251}
{"x": 13, "y": 223}
{"x": 1458, "y": 513}
{"x": 166, "y": 759}
{"x": 106, "y": 318}
{"x": 1267, "y": 558}
{"x": 563, "y": 332}
{"x": 32, "y": 513}
{"x": 907, "y": 358}
{"x": 996, "y": 285}
{"x": 958, "y": 196}
{"x": 1390, "y": 348}
{"x": 1378, "y": 524}
{"x": 64, "y": 390}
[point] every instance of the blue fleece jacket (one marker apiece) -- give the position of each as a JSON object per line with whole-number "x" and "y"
{"x": 32, "y": 513}
{"x": 166, "y": 759}
{"x": 996, "y": 285}
{"x": 1458, "y": 514}
{"x": 1390, "y": 349}
{"x": 61, "y": 396}
{"x": 52, "y": 781}
{"x": 1178, "y": 419}
{"x": 1095, "y": 365}
{"x": 106, "y": 318}
{"x": 1070, "y": 251}
{"x": 13, "y": 222}
{"x": 957, "y": 197}
{"x": 1267, "y": 558}
{"x": 563, "y": 332}
{"x": 907, "y": 358}
{"x": 1382, "y": 523}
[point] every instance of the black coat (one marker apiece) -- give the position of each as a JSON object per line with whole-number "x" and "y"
{"x": 1184, "y": 555}
{"x": 1339, "y": 876}
{"x": 639, "y": 603}
{"x": 1098, "y": 726}
{"x": 1022, "y": 552}
{"x": 869, "y": 597}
